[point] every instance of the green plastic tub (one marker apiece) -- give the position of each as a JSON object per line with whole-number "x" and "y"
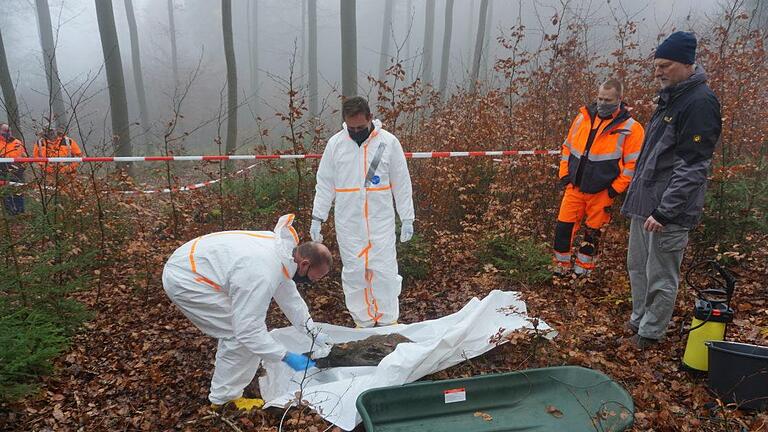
{"x": 565, "y": 398}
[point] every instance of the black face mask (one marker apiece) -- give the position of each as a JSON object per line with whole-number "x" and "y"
{"x": 301, "y": 279}
{"x": 360, "y": 136}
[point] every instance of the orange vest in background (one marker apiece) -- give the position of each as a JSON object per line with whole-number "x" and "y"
{"x": 58, "y": 147}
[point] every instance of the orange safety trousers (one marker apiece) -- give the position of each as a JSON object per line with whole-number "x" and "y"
{"x": 575, "y": 208}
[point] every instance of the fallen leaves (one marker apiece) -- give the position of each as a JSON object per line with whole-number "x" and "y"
{"x": 484, "y": 415}
{"x": 554, "y": 412}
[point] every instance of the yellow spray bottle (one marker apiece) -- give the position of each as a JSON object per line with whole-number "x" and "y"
{"x": 711, "y": 313}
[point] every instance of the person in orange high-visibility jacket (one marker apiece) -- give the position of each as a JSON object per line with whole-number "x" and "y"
{"x": 57, "y": 144}
{"x": 11, "y": 147}
{"x": 597, "y": 164}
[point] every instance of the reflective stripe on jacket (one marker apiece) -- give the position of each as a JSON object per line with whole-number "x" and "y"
{"x": 609, "y": 160}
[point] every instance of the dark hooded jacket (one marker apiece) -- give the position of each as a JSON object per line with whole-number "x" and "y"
{"x": 671, "y": 173}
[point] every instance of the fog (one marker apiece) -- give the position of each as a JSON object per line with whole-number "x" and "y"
{"x": 280, "y": 28}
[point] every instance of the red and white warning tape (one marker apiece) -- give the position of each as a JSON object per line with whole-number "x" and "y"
{"x": 164, "y": 190}
{"x": 188, "y": 187}
{"x": 413, "y": 155}
{"x": 410, "y": 155}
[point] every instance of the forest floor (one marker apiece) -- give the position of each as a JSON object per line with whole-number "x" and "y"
{"x": 141, "y": 365}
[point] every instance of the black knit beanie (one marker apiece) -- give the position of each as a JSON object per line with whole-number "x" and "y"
{"x": 679, "y": 46}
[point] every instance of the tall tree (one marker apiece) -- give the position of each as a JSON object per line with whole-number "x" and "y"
{"x": 314, "y": 107}
{"x": 229, "y": 55}
{"x": 470, "y": 33}
{"x": 481, "y": 20}
{"x": 408, "y": 18}
{"x": 138, "y": 77}
{"x": 57, "y": 114}
{"x": 174, "y": 55}
{"x": 429, "y": 36}
{"x": 348, "y": 48}
{"x": 446, "y": 46}
{"x": 9, "y": 92}
{"x": 303, "y": 45}
{"x": 386, "y": 35}
{"x": 114, "y": 67}
{"x": 487, "y": 41}
{"x": 253, "y": 48}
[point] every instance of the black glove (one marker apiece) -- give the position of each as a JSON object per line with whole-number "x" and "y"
{"x": 564, "y": 182}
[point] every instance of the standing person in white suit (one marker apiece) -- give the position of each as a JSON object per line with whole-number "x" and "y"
{"x": 363, "y": 168}
{"x": 224, "y": 282}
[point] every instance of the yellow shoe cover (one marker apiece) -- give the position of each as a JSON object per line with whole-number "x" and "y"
{"x": 242, "y": 403}
{"x": 248, "y": 404}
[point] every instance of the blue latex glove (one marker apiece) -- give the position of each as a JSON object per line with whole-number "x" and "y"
{"x": 298, "y": 362}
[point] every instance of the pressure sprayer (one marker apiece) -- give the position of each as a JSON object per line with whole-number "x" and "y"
{"x": 711, "y": 313}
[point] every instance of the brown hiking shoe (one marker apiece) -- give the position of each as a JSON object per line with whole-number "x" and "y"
{"x": 642, "y": 343}
{"x": 630, "y": 328}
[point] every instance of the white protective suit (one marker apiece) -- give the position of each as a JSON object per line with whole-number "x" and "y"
{"x": 224, "y": 282}
{"x": 363, "y": 180}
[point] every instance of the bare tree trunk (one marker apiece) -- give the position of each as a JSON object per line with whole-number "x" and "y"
{"x": 58, "y": 114}
{"x": 429, "y": 36}
{"x": 137, "y": 72}
{"x": 174, "y": 55}
{"x": 470, "y": 34}
{"x": 314, "y": 106}
{"x": 303, "y": 44}
{"x": 386, "y": 35}
{"x": 229, "y": 55}
{"x": 446, "y": 46}
{"x": 408, "y": 17}
{"x": 253, "y": 51}
{"x": 114, "y": 67}
{"x": 348, "y": 48}
{"x": 9, "y": 92}
{"x": 481, "y": 19}
{"x": 487, "y": 42}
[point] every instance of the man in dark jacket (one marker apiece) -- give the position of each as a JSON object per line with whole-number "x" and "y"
{"x": 666, "y": 195}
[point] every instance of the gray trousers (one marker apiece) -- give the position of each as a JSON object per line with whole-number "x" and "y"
{"x": 653, "y": 262}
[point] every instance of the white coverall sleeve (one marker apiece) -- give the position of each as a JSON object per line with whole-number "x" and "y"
{"x": 400, "y": 180}
{"x": 325, "y": 190}
{"x": 293, "y": 306}
{"x": 251, "y": 295}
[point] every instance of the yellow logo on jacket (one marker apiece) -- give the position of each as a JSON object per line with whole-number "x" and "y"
{"x": 696, "y": 138}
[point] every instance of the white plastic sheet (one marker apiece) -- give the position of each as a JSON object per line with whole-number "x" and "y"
{"x": 437, "y": 345}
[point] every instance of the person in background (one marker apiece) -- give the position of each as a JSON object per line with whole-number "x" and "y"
{"x": 666, "y": 197}
{"x": 363, "y": 169}
{"x": 11, "y": 147}
{"x": 597, "y": 163}
{"x": 55, "y": 143}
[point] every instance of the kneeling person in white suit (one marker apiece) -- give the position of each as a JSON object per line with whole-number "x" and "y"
{"x": 224, "y": 282}
{"x": 363, "y": 169}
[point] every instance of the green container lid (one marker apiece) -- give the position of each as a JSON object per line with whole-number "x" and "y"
{"x": 563, "y": 398}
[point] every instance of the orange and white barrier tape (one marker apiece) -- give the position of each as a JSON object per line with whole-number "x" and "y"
{"x": 215, "y": 158}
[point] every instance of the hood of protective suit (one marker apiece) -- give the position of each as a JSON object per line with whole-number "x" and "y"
{"x": 287, "y": 240}
{"x": 376, "y": 126}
